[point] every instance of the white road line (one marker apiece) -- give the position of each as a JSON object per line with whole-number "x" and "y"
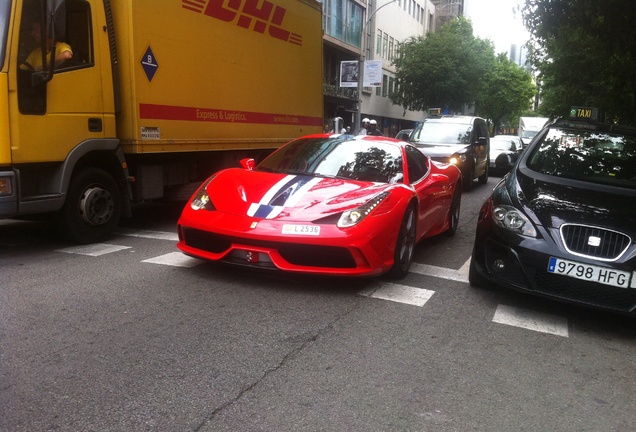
{"x": 157, "y": 235}
{"x": 176, "y": 259}
{"x": 96, "y": 249}
{"x": 460, "y": 275}
{"x": 399, "y": 293}
{"x": 531, "y": 320}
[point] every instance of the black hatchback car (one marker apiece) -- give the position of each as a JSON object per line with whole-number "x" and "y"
{"x": 562, "y": 224}
{"x": 460, "y": 140}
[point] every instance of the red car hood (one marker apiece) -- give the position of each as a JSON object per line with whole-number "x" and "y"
{"x": 286, "y": 197}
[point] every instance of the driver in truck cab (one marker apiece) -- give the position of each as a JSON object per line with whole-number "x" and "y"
{"x": 63, "y": 51}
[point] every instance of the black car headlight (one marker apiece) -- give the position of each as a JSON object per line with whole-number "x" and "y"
{"x": 354, "y": 216}
{"x": 201, "y": 199}
{"x": 457, "y": 158}
{"x": 510, "y": 218}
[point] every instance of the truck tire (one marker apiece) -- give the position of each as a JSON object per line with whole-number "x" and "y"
{"x": 92, "y": 208}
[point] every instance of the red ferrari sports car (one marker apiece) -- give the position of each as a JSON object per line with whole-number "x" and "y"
{"x": 324, "y": 204}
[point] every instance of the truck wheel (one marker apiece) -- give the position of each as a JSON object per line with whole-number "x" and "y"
{"x": 92, "y": 208}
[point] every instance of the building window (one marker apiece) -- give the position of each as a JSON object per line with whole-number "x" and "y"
{"x": 378, "y": 44}
{"x": 342, "y": 19}
{"x": 385, "y": 84}
{"x": 385, "y": 45}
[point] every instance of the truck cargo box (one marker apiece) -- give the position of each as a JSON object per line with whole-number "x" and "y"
{"x": 199, "y": 76}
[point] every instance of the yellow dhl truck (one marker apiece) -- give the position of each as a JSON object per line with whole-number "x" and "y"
{"x": 156, "y": 96}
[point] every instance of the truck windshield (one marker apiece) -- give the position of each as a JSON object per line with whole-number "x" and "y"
{"x": 5, "y": 10}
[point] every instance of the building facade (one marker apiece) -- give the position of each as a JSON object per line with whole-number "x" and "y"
{"x": 387, "y": 24}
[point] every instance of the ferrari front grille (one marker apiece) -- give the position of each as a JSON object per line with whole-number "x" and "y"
{"x": 296, "y": 254}
{"x": 594, "y": 242}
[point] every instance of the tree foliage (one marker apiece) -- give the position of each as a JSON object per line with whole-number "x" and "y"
{"x": 507, "y": 90}
{"x": 442, "y": 69}
{"x": 585, "y": 54}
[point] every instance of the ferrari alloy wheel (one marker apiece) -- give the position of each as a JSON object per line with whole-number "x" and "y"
{"x": 404, "y": 246}
{"x": 453, "y": 213}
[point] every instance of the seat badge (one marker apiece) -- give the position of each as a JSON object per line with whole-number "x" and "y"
{"x": 594, "y": 241}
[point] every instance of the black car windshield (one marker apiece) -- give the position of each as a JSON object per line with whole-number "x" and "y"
{"x": 345, "y": 158}
{"x": 591, "y": 156}
{"x": 435, "y": 132}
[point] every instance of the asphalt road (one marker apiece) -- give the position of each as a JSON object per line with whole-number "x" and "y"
{"x": 131, "y": 335}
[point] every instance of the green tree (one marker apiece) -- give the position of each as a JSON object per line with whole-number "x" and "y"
{"x": 442, "y": 69}
{"x": 585, "y": 54}
{"x": 507, "y": 91}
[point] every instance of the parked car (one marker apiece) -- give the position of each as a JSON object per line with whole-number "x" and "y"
{"x": 459, "y": 140}
{"x": 324, "y": 204}
{"x": 404, "y": 134}
{"x": 504, "y": 151}
{"x": 562, "y": 223}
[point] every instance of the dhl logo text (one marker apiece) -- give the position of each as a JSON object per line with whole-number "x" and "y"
{"x": 261, "y": 16}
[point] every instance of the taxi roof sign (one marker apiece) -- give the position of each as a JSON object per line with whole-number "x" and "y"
{"x": 584, "y": 113}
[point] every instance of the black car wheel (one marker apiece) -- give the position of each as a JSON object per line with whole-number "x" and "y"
{"x": 467, "y": 179}
{"x": 483, "y": 179}
{"x": 404, "y": 246}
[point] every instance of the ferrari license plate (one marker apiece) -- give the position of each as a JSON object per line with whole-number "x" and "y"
{"x": 591, "y": 273}
{"x": 301, "y": 229}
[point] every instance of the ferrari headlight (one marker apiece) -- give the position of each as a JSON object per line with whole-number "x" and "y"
{"x": 457, "y": 158}
{"x": 510, "y": 218}
{"x": 354, "y": 216}
{"x": 201, "y": 199}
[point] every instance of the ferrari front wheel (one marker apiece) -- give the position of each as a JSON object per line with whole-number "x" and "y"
{"x": 404, "y": 246}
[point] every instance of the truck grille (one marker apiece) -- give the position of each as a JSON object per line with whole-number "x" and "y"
{"x": 594, "y": 242}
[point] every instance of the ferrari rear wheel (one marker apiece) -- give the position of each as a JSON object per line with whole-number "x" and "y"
{"x": 404, "y": 246}
{"x": 453, "y": 213}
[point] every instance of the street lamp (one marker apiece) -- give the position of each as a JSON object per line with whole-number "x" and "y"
{"x": 361, "y": 62}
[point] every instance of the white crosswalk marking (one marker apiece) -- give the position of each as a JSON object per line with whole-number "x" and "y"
{"x": 94, "y": 250}
{"x": 156, "y": 235}
{"x": 176, "y": 259}
{"x": 507, "y": 315}
{"x": 531, "y": 320}
{"x": 399, "y": 293}
{"x": 460, "y": 275}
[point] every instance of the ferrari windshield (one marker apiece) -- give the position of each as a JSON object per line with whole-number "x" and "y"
{"x": 5, "y": 10}
{"x": 363, "y": 160}
{"x": 432, "y": 132}
{"x": 587, "y": 155}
